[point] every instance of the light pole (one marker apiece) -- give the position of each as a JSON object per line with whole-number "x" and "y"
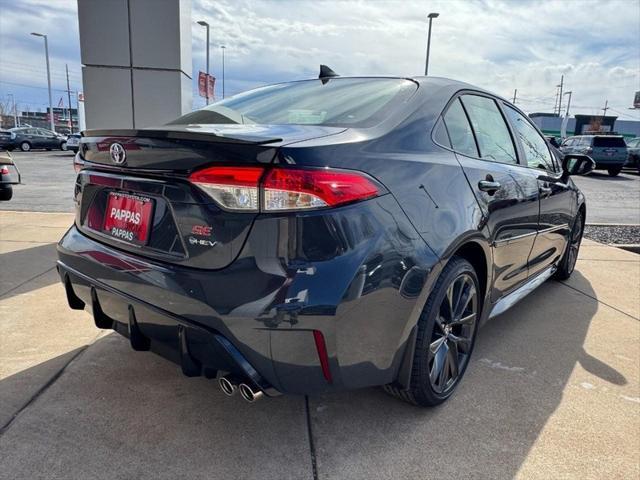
{"x": 15, "y": 115}
{"x": 205, "y": 24}
{"x": 222, "y": 47}
{"x": 46, "y": 53}
{"x": 566, "y": 114}
{"x": 431, "y": 16}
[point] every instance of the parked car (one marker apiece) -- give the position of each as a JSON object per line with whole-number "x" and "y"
{"x": 9, "y": 176}
{"x": 553, "y": 141}
{"x": 608, "y": 151}
{"x": 73, "y": 142}
{"x": 31, "y": 138}
{"x": 6, "y": 142}
{"x": 322, "y": 235}
{"x": 633, "y": 153}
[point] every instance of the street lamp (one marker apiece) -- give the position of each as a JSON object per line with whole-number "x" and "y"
{"x": 46, "y": 53}
{"x": 205, "y": 24}
{"x": 222, "y": 47}
{"x": 431, "y": 16}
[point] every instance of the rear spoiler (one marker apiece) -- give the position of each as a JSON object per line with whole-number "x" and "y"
{"x": 180, "y": 134}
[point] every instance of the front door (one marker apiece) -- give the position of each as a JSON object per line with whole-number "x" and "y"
{"x": 557, "y": 199}
{"x": 506, "y": 192}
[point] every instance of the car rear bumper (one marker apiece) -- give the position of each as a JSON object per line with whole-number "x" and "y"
{"x": 608, "y": 162}
{"x": 357, "y": 277}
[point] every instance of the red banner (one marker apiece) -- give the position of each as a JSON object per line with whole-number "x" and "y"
{"x": 211, "y": 82}
{"x": 202, "y": 84}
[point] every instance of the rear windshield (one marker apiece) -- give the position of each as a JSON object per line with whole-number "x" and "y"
{"x": 341, "y": 102}
{"x": 614, "y": 142}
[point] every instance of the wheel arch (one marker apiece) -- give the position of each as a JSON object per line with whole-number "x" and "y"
{"x": 474, "y": 248}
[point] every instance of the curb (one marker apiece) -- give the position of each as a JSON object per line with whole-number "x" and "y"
{"x": 630, "y": 247}
{"x": 611, "y": 224}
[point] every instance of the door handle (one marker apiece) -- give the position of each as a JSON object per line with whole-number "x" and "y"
{"x": 489, "y": 186}
{"x": 545, "y": 189}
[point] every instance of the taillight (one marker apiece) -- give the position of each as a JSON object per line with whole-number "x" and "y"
{"x": 4, "y": 170}
{"x": 77, "y": 164}
{"x": 299, "y": 189}
{"x": 283, "y": 189}
{"x": 234, "y": 188}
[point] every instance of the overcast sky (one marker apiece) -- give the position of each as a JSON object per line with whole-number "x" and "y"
{"x": 498, "y": 45}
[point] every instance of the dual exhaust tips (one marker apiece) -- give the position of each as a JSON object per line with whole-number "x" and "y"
{"x": 229, "y": 388}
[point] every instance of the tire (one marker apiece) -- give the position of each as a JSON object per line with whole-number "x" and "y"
{"x": 6, "y": 193}
{"x": 614, "y": 171}
{"x": 63, "y": 146}
{"x": 568, "y": 262}
{"x": 437, "y": 340}
{"x": 25, "y": 146}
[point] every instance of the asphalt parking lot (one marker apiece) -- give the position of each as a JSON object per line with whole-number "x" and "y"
{"x": 553, "y": 390}
{"x": 49, "y": 179}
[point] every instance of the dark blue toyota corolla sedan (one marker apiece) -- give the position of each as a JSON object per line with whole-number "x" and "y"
{"x": 322, "y": 235}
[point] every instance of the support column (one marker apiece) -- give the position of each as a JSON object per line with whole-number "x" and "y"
{"x": 135, "y": 56}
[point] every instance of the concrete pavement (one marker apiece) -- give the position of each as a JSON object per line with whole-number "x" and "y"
{"x": 553, "y": 391}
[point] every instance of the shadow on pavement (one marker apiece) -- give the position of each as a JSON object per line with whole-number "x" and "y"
{"x": 116, "y": 413}
{"x": 520, "y": 368}
{"x": 605, "y": 176}
{"x": 20, "y": 266}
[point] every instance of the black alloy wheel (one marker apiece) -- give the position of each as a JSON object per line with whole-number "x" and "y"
{"x": 570, "y": 257}
{"x": 452, "y": 334}
{"x": 446, "y": 335}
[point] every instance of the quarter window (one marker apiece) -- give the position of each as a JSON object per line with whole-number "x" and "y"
{"x": 492, "y": 133}
{"x": 536, "y": 151}
{"x": 459, "y": 130}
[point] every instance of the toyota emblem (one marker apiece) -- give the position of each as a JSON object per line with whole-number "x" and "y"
{"x": 118, "y": 154}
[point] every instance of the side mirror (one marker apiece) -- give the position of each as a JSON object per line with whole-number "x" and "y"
{"x": 576, "y": 164}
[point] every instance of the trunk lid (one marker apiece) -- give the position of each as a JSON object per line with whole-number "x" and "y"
{"x": 146, "y": 205}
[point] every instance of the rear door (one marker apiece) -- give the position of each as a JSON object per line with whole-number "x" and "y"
{"x": 507, "y": 193}
{"x": 31, "y": 136}
{"x": 557, "y": 199}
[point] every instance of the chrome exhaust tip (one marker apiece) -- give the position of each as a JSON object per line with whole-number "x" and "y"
{"x": 249, "y": 394}
{"x": 227, "y": 387}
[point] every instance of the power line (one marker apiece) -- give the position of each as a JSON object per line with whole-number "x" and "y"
{"x": 34, "y": 86}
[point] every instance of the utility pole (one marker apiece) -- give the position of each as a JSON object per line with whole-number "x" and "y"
{"x": 606, "y": 107}
{"x": 69, "y": 98}
{"x": 515, "y": 92}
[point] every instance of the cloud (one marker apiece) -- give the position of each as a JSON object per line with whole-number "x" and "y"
{"x": 498, "y": 45}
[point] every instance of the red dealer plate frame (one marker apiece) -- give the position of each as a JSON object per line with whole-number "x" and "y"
{"x": 128, "y": 217}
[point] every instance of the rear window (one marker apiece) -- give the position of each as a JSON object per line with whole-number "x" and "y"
{"x": 611, "y": 142}
{"x": 341, "y": 102}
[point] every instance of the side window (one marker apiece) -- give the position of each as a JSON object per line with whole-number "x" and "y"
{"x": 459, "y": 130}
{"x": 492, "y": 133}
{"x": 440, "y": 134}
{"x": 536, "y": 150}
